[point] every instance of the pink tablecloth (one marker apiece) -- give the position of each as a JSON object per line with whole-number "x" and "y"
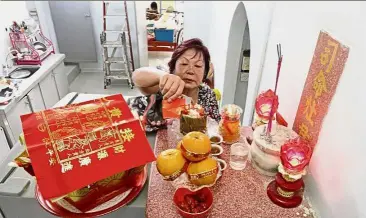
{"x": 237, "y": 194}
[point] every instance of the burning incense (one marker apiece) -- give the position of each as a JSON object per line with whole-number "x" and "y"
{"x": 279, "y": 53}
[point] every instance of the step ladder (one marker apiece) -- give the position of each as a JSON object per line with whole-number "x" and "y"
{"x": 110, "y": 48}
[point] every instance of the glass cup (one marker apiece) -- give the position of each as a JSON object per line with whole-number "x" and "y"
{"x": 239, "y": 156}
{"x": 229, "y": 126}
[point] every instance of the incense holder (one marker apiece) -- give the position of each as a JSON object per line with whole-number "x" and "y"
{"x": 265, "y": 148}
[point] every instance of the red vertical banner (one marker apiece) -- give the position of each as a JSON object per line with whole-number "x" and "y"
{"x": 325, "y": 71}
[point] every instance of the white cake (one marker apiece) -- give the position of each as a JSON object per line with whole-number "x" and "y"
{"x": 265, "y": 151}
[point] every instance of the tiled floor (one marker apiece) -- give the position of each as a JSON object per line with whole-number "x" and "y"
{"x": 92, "y": 82}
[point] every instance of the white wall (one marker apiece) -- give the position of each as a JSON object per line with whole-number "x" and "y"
{"x": 142, "y": 31}
{"x": 259, "y": 16}
{"x": 46, "y": 22}
{"x": 7, "y": 16}
{"x": 211, "y": 21}
{"x": 198, "y": 20}
{"x": 338, "y": 167}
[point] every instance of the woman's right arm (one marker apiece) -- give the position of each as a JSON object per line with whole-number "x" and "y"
{"x": 150, "y": 80}
{"x": 147, "y": 79}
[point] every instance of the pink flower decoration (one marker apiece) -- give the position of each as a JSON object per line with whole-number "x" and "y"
{"x": 295, "y": 155}
{"x": 264, "y": 102}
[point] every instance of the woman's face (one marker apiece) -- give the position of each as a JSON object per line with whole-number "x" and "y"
{"x": 190, "y": 67}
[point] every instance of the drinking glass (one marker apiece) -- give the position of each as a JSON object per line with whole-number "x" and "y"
{"x": 239, "y": 156}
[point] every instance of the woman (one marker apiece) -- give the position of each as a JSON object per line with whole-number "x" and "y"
{"x": 188, "y": 68}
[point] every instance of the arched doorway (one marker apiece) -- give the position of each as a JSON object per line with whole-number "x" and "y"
{"x": 236, "y": 74}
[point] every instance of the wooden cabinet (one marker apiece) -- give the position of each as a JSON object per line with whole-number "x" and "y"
{"x": 13, "y": 117}
{"x": 49, "y": 91}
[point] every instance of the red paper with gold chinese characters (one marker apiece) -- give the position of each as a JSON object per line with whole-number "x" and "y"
{"x": 71, "y": 147}
{"x": 173, "y": 109}
{"x": 325, "y": 71}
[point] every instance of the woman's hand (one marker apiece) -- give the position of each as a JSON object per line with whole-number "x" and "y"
{"x": 171, "y": 86}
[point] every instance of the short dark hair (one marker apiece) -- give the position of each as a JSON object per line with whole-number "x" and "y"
{"x": 196, "y": 44}
{"x": 154, "y": 5}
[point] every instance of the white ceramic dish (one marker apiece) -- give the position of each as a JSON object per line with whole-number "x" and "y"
{"x": 222, "y": 164}
{"x": 221, "y": 150}
{"x": 218, "y": 136}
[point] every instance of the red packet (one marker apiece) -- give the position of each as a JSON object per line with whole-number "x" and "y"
{"x": 280, "y": 120}
{"x": 173, "y": 109}
{"x": 74, "y": 146}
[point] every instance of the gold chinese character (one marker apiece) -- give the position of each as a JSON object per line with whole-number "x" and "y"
{"x": 335, "y": 49}
{"x": 115, "y": 112}
{"x": 106, "y": 134}
{"x": 38, "y": 116}
{"x": 60, "y": 145}
{"x": 84, "y": 161}
{"x": 46, "y": 141}
{"x": 102, "y": 154}
{"x": 42, "y": 127}
{"x": 127, "y": 134}
{"x": 92, "y": 136}
{"x": 324, "y": 56}
{"x": 64, "y": 122}
{"x": 52, "y": 161}
{"x": 67, "y": 166}
{"x": 119, "y": 149}
{"x": 304, "y": 131}
{"x": 320, "y": 84}
{"x": 75, "y": 153}
{"x": 50, "y": 152}
{"x": 310, "y": 109}
{"x": 87, "y": 150}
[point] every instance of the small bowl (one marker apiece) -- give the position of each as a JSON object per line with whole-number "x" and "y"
{"x": 182, "y": 192}
{"x": 216, "y": 139}
{"x": 222, "y": 163}
{"x": 216, "y": 147}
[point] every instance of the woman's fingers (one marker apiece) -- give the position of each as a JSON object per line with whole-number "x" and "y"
{"x": 168, "y": 84}
{"x": 171, "y": 86}
{"x": 178, "y": 92}
{"x": 162, "y": 82}
{"x": 172, "y": 90}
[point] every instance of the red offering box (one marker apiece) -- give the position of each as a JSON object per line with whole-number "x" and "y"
{"x": 83, "y": 145}
{"x": 104, "y": 190}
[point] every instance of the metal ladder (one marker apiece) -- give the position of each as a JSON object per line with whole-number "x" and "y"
{"x": 122, "y": 43}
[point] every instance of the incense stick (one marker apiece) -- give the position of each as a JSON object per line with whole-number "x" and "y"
{"x": 279, "y": 54}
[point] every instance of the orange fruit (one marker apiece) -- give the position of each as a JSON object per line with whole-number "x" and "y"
{"x": 170, "y": 164}
{"x": 179, "y": 146}
{"x": 196, "y": 146}
{"x": 203, "y": 172}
